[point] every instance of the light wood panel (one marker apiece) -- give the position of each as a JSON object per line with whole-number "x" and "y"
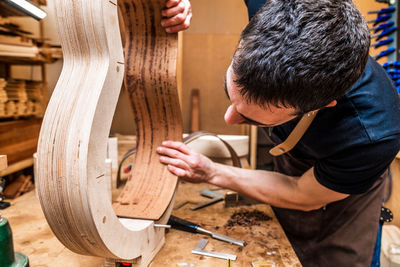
{"x": 150, "y": 79}
{"x": 72, "y": 178}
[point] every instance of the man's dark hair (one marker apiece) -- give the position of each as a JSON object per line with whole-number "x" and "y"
{"x": 301, "y": 53}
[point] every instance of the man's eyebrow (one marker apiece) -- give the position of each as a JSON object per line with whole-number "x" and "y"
{"x": 226, "y": 88}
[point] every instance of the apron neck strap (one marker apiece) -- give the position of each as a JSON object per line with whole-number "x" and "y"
{"x": 295, "y": 135}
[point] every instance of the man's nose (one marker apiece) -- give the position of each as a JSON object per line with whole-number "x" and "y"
{"x": 232, "y": 116}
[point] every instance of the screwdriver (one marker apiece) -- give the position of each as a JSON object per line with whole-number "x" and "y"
{"x": 383, "y": 11}
{"x": 383, "y": 42}
{"x": 191, "y": 227}
{"x": 384, "y": 33}
{"x": 380, "y": 19}
{"x": 393, "y": 64}
{"x": 384, "y": 53}
{"x": 390, "y": 2}
{"x": 382, "y": 26}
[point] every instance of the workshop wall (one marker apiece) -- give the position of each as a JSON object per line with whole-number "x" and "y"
{"x": 208, "y": 46}
{"x": 207, "y": 49}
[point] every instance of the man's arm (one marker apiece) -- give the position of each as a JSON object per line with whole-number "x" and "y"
{"x": 301, "y": 193}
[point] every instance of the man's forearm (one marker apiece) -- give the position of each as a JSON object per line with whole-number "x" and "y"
{"x": 270, "y": 187}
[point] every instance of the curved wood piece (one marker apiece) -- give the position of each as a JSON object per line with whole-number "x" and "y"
{"x": 72, "y": 179}
{"x": 150, "y": 77}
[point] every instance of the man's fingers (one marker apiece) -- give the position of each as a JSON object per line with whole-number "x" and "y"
{"x": 175, "y": 162}
{"x": 173, "y": 21}
{"x": 180, "y": 27}
{"x": 177, "y": 171}
{"x": 171, "y": 3}
{"x": 177, "y": 146}
{"x": 173, "y": 11}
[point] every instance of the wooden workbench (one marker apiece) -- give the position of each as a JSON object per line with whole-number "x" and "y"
{"x": 33, "y": 237}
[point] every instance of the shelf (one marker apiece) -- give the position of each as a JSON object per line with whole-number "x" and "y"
{"x": 18, "y": 166}
{"x": 25, "y": 60}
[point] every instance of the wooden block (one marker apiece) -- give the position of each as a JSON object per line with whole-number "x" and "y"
{"x": 3, "y": 162}
{"x": 72, "y": 145}
{"x": 17, "y": 187}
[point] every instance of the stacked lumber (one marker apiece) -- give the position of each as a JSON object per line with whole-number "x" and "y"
{"x": 16, "y": 42}
{"x": 10, "y": 50}
{"x": 18, "y": 139}
{"x": 19, "y": 98}
{"x": 3, "y": 97}
{"x": 22, "y": 184}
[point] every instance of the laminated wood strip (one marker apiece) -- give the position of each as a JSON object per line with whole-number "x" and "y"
{"x": 150, "y": 78}
{"x": 73, "y": 179}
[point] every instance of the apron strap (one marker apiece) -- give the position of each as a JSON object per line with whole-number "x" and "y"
{"x": 295, "y": 135}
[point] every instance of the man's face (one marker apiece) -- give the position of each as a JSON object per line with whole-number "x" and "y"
{"x": 241, "y": 112}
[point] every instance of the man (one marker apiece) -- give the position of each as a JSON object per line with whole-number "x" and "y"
{"x": 296, "y": 58}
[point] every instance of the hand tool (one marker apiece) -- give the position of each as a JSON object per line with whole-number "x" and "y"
{"x": 384, "y": 53}
{"x": 394, "y": 77}
{"x": 384, "y": 33}
{"x": 390, "y": 2}
{"x": 383, "y": 11}
{"x": 201, "y": 245}
{"x": 181, "y": 224}
{"x": 233, "y": 199}
{"x": 392, "y": 72}
{"x": 380, "y": 19}
{"x": 382, "y": 26}
{"x": 383, "y": 42}
{"x": 392, "y": 64}
{"x": 162, "y": 225}
{"x": 215, "y": 197}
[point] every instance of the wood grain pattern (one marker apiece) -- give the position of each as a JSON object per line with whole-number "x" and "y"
{"x": 73, "y": 181}
{"x": 150, "y": 78}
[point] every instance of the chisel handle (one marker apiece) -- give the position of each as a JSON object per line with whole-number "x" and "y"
{"x": 182, "y": 224}
{"x": 383, "y": 42}
{"x": 382, "y": 26}
{"x": 384, "y": 53}
{"x": 383, "y": 11}
{"x": 380, "y": 19}
{"x": 393, "y": 64}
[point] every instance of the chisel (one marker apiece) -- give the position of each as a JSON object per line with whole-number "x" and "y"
{"x": 390, "y": 2}
{"x": 393, "y": 64}
{"x": 380, "y": 19}
{"x": 393, "y": 72}
{"x": 384, "y": 33}
{"x": 384, "y": 53}
{"x": 383, "y": 42}
{"x": 191, "y": 227}
{"x": 382, "y": 26}
{"x": 383, "y": 11}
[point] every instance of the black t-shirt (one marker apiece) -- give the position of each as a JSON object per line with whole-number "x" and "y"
{"x": 353, "y": 143}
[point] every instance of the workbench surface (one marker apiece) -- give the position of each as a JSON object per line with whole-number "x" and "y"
{"x": 267, "y": 241}
{"x": 33, "y": 237}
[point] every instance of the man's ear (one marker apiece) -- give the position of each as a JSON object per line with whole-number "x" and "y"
{"x": 332, "y": 104}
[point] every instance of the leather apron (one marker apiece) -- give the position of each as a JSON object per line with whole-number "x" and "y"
{"x": 342, "y": 233}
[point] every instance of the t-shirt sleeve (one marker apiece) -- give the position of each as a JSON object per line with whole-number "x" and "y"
{"x": 355, "y": 169}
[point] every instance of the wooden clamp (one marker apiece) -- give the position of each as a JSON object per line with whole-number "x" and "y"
{"x": 72, "y": 179}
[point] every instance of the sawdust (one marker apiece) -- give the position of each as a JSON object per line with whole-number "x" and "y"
{"x": 247, "y": 218}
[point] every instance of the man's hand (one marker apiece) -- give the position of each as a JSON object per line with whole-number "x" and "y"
{"x": 176, "y": 15}
{"x": 185, "y": 163}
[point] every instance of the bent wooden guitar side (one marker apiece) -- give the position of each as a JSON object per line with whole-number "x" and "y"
{"x": 72, "y": 179}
